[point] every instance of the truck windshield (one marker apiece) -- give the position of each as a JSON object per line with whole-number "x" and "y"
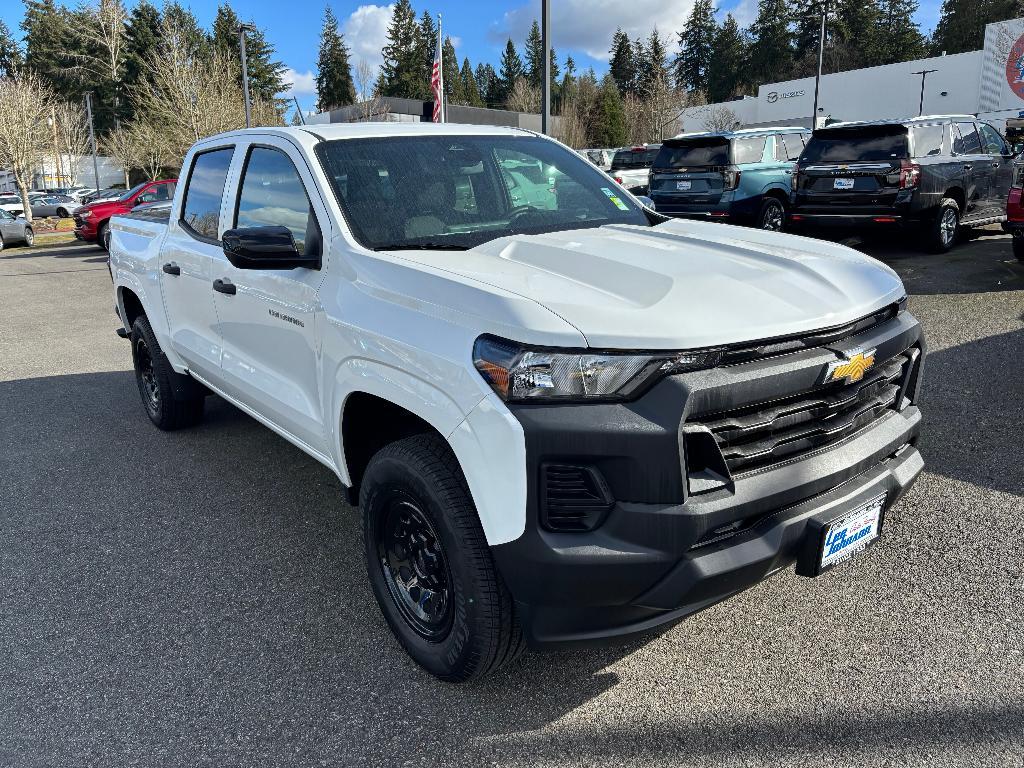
{"x": 127, "y": 195}
{"x": 693, "y": 152}
{"x": 455, "y": 192}
{"x": 853, "y": 145}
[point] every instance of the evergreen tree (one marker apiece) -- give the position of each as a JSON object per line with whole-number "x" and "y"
{"x": 855, "y": 36}
{"x": 470, "y": 90}
{"x": 334, "y": 86}
{"x": 651, "y": 58}
{"x": 450, "y": 67}
{"x": 807, "y": 27}
{"x": 771, "y": 46}
{"x": 511, "y": 70}
{"x": 534, "y": 55}
{"x": 609, "y": 124}
{"x": 266, "y": 76}
{"x": 488, "y": 84}
{"x": 622, "y": 65}
{"x": 899, "y": 37}
{"x": 569, "y": 80}
{"x": 11, "y": 58}
{"x": 696, "y": 42}
{"x": 142, "y": 39}
{"x": 962, "y": 23}
{"x": 726, "y": 70}
{"x": 48, "y": 35}
{"x": 427, "y": 51}
{"x": 401, "y": 72}
{"x": 183, "y": 19}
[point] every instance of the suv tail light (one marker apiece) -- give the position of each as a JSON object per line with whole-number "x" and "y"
{"x": 731, "y": 177}
{"x": 1018, "y": 177}
{"x": 794, "y": 181}
{"x": 910, "y": 174}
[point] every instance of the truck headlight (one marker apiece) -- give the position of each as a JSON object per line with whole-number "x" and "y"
{"x": 518, "y": 373}
{"x": 83, "y": 214}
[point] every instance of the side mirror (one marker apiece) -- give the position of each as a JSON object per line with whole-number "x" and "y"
{"x": 645, "y": 201}
{"x": 265, "y": 248}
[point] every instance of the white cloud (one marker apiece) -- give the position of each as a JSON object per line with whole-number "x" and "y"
{"x": 744, "y": 11}
{"x": 299, "y": 83}
{"x": 456, "y": 40}
{"x": 587, "y": 25}
{"x": 366, "y": 31}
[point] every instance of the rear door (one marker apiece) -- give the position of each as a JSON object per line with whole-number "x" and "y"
{"x": 854, "y": 170}
{"x": 1001, "y": 164}
{"x": 271, "y": 356}
{"x": 191, "y": 247}
{"x": 976, "y": 168}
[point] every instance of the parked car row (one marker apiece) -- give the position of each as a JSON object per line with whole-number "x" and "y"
{"x": 92, "y": 220}
{"x": 934, "y": 174}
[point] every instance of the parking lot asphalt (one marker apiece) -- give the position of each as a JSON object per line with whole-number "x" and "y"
{"x": 199, "y": 597}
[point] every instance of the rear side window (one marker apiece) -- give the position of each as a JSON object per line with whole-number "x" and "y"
{"x": 748, "y": 150}
{"x": 966, "y": 140}
{"x": 993, "y": 142}
{"x": 201, "y": 210}
{"x": 633, "y": 159}
{"x": 926, "y": 140}
{"x": 272, "y": 194}
{"x": 871, "y": 144}
{"x": 788, "y": 146}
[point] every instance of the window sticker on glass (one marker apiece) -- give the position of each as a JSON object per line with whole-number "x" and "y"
{"x": 614, "y": 198}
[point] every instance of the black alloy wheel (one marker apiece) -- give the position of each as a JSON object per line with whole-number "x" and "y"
{"x": 414, "y": 567}
{"x": 149, "y": 387}
{"x": 772, "y": 216}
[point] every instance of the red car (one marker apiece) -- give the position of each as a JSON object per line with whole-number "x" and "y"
{"x": 1015, "y": 212}
{"x": 92, "y": 221}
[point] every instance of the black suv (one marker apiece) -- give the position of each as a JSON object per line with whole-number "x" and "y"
{"x": 937, "y": 173}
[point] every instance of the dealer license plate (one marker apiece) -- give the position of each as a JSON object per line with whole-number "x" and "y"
{"x": 682, "y": 186}
{"x": 851, "y": 533}
{"x": 843, "y": 183}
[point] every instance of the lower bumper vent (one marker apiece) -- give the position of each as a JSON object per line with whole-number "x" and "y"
{"x": 573, "y": 498}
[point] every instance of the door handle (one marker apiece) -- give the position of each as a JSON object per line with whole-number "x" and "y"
{"x": 967, "y": 166}
{"x": 172, "y": 269}
{"x": 224, "y": 286}
{"x": 995, "y": 165}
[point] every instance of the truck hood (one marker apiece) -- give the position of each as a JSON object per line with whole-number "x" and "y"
{"x": 680, "y": 284}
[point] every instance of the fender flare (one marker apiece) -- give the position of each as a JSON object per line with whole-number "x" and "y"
{"x": 488, "y": 442}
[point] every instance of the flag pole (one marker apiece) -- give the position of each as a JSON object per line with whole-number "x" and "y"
{"x": 440, "y": 70}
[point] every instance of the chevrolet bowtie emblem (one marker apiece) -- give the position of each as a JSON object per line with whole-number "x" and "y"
{"x": 852, "y": 369}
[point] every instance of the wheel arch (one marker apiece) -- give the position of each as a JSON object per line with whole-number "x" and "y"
{"x": 957, "y": 195}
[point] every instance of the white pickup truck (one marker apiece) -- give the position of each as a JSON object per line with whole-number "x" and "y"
{"x": 569, "y": 421}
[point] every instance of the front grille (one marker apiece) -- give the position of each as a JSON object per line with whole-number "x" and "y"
{"x": 573, "y": 498}
{"x": 758, "y": 435}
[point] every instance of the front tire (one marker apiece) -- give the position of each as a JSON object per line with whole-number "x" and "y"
{"x": 103, "y": 236}
{"x": 172, "y": 400}
{"x": 772, "y": 216}
{"x": 944, "y": 226}
{"x": 62, "y": 213}
{"x": 429, "y": 564}
{"x": 1018, "y": 246}
{"x": 30, "y": 236}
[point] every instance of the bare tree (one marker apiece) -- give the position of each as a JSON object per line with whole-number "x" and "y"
{"x": 122, "y": 144}
{"x": 524, "y": 97}
{"x": 719, "y": 118}
{"x": 24, "y": 106}
{"x": 654, "y": 114}
{"x": 154, "y": 153}
{"x": 105, "y": 50}
{"x": 72, "y": 129}
{"x": 577, "y": 107}
{"x": 370, "y": 106}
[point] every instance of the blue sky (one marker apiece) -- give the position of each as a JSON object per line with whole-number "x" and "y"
{"x": 479, "y": 28}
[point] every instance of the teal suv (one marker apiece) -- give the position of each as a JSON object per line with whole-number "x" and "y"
{"x": 743, "y": 176}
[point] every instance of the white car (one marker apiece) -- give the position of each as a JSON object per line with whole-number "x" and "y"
{"x": 13, "y": 204}
{"x": 631, "y": 167}
{"x": 563, "y": 423}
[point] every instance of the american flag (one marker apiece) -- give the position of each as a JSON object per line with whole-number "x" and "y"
{"x": 437, "y": 83}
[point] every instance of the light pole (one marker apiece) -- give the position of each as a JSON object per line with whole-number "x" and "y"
{"x": 545, "y": 80}
{"x": 92, "y": 141}
{"x": 242, "y": 29}
{"x": 821, "y": 59}
{"x": 924, "y": 75}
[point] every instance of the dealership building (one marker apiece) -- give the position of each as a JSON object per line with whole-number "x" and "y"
{"x": 988, "y": 83}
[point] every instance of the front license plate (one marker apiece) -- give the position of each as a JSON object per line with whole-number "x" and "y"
{"x": 851, "y": 533}
{"x": 682, "y": 186}
{"x": 843, "y": 184}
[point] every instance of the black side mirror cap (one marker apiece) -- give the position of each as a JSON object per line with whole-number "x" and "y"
{"x": 265, "y": 248}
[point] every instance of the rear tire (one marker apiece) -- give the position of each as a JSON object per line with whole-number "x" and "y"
{"x": 172, "y": 400}
{"x": 62, "y": 213}
{"x": 429, "y": 564}
{"x": 772, "y": 216}
{"x": 30, "y": 236}
{"x": 1018, "y": 246}
{"x": 944, "y": 226}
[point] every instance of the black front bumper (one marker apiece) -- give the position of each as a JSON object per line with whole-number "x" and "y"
{"x": 663, "y": 551}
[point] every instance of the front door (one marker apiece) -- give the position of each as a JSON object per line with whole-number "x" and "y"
{"x": 1001, "y": 167}
{"x": 267, "y": 317}
{"x": 186, "y": 264}
{"x": 976, "y": 168}
{"x": 10, "y": 228}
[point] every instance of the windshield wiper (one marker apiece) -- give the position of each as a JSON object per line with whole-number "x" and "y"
{"x": 428, "y": 246}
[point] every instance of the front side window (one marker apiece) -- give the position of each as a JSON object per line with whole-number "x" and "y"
{"x": 456, "y": 192}
{"x": 272, "y": 194}
{"x": 201, "y": 209}
{"x": 993, "y": 142}
{"x": 966, "y": 140}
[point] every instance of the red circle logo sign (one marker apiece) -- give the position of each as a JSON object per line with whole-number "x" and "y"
{"x": 1015, "y": 67}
